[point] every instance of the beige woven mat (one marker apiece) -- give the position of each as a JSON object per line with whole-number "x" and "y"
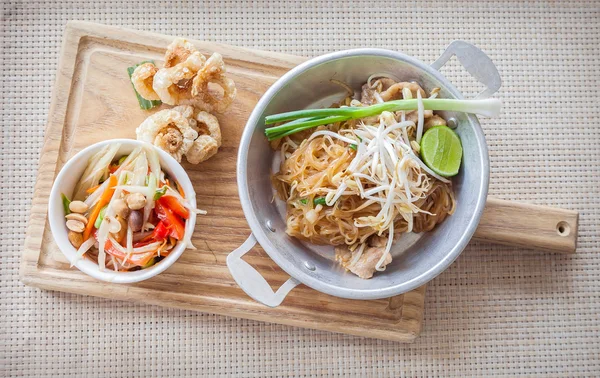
{"x": 495, "y": 311}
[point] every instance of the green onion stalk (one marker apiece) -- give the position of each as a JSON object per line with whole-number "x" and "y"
{"x": 305, "y": 119}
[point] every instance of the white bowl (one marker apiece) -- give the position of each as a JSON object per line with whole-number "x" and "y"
{"x": 65, "y": 183}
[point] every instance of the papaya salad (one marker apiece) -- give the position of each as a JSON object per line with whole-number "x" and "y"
{"x": 127, "y": 214}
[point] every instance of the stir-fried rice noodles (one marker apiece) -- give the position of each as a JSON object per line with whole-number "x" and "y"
{"x": 359, "y": 183}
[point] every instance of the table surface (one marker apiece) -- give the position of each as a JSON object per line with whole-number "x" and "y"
{"x": 495, "y": 311}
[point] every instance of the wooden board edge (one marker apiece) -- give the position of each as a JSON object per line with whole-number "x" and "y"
{"x": 48, "y": 160}
{"x": 413, "y": 308}
{"x": 134, "y": 36}
{"x": 133, "y": 295}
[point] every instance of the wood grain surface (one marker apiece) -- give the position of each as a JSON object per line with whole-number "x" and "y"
{"x": 531, "y": 226}
{"x": 93, "y": 101}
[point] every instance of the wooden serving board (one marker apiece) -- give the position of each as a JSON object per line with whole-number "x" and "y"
{"x": 93, "y": 100}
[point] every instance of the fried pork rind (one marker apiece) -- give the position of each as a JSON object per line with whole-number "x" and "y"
{"x": 169, "y": 130}
{"x": 209, "y": 138}
{"x": 186, "y": 79}
{"x": 173, "y": 84}
{"x": 213, "y": 72}
{"x": 181, "y": 131}
{"x": 143, "y": 78}
{"x": 178, "y": 51}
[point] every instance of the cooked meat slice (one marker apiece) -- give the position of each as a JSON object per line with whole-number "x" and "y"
{"x": 377, "y": 241}
{"x": 367, "y": 96}
{"x": 386, "y": 82}
{"x": 395, "y": 91}
{"x": 433, "y": 121}
{"x": 365, "y": 266}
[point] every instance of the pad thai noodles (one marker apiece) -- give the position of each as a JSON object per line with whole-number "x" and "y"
{"x": 126, "y": 213}
{"x": 358, "y": 184}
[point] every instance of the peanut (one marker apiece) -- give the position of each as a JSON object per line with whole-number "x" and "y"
{"x": 78, "y": 207}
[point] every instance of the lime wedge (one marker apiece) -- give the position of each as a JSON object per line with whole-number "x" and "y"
{"x": 441, "y": 150}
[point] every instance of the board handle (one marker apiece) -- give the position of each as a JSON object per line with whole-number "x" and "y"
{"x": 252, "y": 282}
{"x": 526, "y": 225}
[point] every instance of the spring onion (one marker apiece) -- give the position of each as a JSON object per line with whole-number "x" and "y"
{"x": 66, "y": 202}
{"x": 122, "y": 159}
{"x": 316, "y": 201}
{"x": 144, "y": 104}
{"x": 100, "y": 217}
{"x": 303, "y": 124}
{"x": 320, "y": 201}
{"x": 160, "y": 192}
{"x": 306, "y": 119}
{"x": 150, "y": 262}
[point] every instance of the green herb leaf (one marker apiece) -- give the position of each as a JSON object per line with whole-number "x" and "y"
{"x": 320, "y": 201}
{"x": 304, "y": 201}
{"x": 66, "y": 202}
{"x": 160, "y": 192}
{"x": 122, "y": 159}
{"x": 151, "y": 262}
{"x": 100, "y": 217}
{"x": 352, "y": 146}
{"x": 144, "y": 104}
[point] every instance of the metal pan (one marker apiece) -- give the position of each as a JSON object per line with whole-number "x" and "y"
{"x": 417, "y": 258}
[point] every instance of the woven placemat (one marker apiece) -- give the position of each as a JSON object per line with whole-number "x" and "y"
{"x": 495, "y": 311}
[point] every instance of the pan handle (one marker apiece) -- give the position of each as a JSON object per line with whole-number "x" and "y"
{"x": 252, "y": 282}
{"x": 477, "y": 64}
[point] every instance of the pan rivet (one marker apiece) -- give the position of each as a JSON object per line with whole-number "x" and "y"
{"x": 452, "y": 123}
{"x": 270, "y": 226}
{"x": 309, "y": 266}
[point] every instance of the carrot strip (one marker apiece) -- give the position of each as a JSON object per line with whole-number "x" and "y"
{"x": 104, "y": 199}
{"x": 180, "y": 189}
{"x": 92, "y": 189}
